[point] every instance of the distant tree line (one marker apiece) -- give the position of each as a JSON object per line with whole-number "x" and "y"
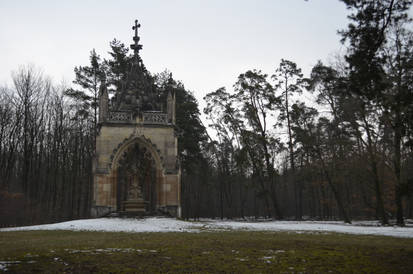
{"x": 352, "y": 160}
{"x": 346, "y": 154}
{"x": 45, "y": 152}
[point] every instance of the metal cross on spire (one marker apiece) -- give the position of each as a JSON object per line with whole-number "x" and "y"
{"x": 135, "y": 27}
{"x": 136, "y": 47}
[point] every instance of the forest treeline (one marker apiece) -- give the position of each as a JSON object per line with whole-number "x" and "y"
{"x": 265, "y": 151}
{"x": 45, "y": 152}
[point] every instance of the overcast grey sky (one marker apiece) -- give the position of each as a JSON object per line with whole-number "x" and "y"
{"x": 206, "y": 44}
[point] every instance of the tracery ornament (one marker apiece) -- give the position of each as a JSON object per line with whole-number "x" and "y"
{"x": 155, "y": 118}
{"x": 120, "y": 116}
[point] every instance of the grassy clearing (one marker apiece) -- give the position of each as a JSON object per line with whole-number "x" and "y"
{"x": 240, "y": 251}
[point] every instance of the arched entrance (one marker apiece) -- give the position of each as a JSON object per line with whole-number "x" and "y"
{"x": 136, "y": 181}
{"x": 136, "y": 173}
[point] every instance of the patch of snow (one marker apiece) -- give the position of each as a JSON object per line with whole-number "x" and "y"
{"x": 242, "y": 259}
{"x": 275, "y": 251}
{"x": 108, "y": 250}
{"x": 5, "y": 264}
{"x": 174, "y": 225}
{"x": 267, "y": 259}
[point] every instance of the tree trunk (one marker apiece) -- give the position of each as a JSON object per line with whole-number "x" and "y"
{"x": 397, "y": 169}
{"x": 335, "y": 191}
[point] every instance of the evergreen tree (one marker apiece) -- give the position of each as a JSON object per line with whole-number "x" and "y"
{"x": 289, "y": 79}
{"x": 89, "y": 78}
{"x": 367, "y": 34}
{"x": 256, "y": 98}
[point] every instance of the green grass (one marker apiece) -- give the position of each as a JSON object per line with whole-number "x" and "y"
{"x": 239, "y": 252}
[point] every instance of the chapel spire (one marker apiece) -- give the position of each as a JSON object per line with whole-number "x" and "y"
{"x": 136, "y": 46}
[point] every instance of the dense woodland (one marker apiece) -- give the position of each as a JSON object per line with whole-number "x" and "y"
{"x": 264, "y": 150}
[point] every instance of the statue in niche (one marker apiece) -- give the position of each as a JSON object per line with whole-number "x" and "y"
{"x": 134, "y": 189}
{"x": 137, "y": 180}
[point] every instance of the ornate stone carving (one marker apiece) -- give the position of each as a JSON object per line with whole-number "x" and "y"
{"x": 144, "y": 141}
{"x": 157, "y": 118}
{"x": 121, "y": 116}
{"x": 134, "y": 191}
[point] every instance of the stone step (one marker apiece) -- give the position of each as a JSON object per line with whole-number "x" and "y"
{"x": 136, "y": 206}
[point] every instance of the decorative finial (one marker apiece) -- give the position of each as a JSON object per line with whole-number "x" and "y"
{"x": 170, "y": 79}
{"x": 136, "y": 47}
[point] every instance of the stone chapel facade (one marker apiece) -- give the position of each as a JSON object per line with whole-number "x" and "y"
{"x": 136, "y": 168}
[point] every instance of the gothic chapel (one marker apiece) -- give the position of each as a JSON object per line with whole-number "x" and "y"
{"x": 136, "y": 170}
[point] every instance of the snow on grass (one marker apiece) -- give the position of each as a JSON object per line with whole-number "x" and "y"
{"x": 174, "y": 225}
{"x": 117, "y": 225}
{"x": 360, "y": 228}
{"x": 109, "y": 250}
{"x": 5, "y": 264}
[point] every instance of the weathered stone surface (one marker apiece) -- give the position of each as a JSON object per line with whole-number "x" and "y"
{"x": 114, "y": 139}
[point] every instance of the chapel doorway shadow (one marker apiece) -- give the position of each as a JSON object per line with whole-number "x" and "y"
{"x": 136, "y": 184}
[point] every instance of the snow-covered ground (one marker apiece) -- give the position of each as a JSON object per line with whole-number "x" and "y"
{"x": 173, "y": 225}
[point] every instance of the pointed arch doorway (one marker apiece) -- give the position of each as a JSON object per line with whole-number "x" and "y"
{"x": 137, "y": 181}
